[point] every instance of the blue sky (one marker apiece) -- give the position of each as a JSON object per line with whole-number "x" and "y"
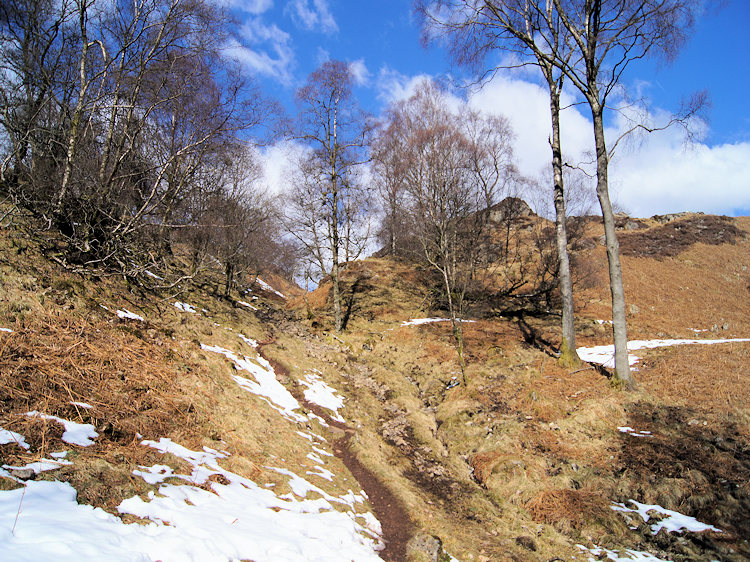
{"x": 281, "y": 41}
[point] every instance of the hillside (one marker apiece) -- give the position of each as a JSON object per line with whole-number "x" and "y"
{"x": 207, "y": 428}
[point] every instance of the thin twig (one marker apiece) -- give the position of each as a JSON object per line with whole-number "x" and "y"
{"x": 18, "y": 513}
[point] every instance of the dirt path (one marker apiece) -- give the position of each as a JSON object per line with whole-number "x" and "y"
{"x": 397, "y": 528}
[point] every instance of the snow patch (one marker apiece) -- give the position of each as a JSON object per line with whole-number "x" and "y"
{"x": 229, "y": 518}
{"x": 625, "y": 555}
{"x": 633, "y": 432}
{"x": 185, "y": 307}
{"x": 8, "y": 436}
{"x": 322, "y": 472}
{"x": 130, "y": 315}
{"x": 605, "y": 354}
{"x": 82, "y": 405}
{"x": 673, "y": 521}
{"x": 40, "y": 466}
{"x": 318, "y": 392}
{"x": 268, "y": 287}
{"x": 419, "y": 321}
{"x": 247, "y": 304}
{"x": 248, "y": 341}
{"x": 81, "y": 434}
{"x": 6, "y": 330}
{"x": 265, "y": 383}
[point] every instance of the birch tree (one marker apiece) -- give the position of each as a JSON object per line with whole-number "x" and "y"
{"x": 608, "y": 35}
{"x": 327, "y": 208}
{"x": 590, "y": 43}
{"x": 528, "y": 28}
{"x": 111, "y": 109}
{"x": 453, "y": 166}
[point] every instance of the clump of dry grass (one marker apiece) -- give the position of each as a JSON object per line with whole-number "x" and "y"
{"x": 567, "y": 508}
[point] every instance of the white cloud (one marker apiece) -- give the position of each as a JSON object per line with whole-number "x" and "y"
{"x": 254, "y": 6}
{"x": 277, "y": 161}
{"x": 313, "y": 15}
{"x": 359, "y": 72}
{"x": 652, "y": 174}
{"x": 267, "y": 51}
{"x": 322, "y": 55}
{"x": 649, "y": 174}
{"x": 393, "y": 86}
{"x": 663, "y": 177}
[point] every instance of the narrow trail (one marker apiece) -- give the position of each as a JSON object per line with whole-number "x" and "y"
{"x": 397, "y": 528}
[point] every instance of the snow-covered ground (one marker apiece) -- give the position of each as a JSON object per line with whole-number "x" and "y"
{"x": 215, "y": 515}
{"x": 599, "y": 553}
{"x": 666, "y": 519}
{"x": 185, "y": 307}
{"x": 605, "y": 354}
{"x": 130, "y": 315}
{"x": 318, "y": 392}
{"x": 209, "y": 513}
{"x": 268, "y": 287}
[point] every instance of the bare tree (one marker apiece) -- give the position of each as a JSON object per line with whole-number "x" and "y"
{"x": 608, "y": 35}
{"x": 590, "y": 43}
{"x": 327, "y": 207}
{"x": 453, "y": 166}
{"x": 113, "y": 111}
{"x": 33, "y": 62}
{"x": 529, "y": 28}
{"x": 388, "y": 176}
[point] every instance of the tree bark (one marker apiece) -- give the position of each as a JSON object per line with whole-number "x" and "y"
{"x": 78, "y": 112}
{"x": 619, "y": 322}
{"x": 458, "y": 332}
{"x": 568, "y": 354}
{"x": 229, "y": 278}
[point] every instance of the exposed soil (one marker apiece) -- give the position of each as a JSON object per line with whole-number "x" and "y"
{"x": 427, "y": 472}
{"x": 676, "y": 236}
{"x": 397, "y": 527}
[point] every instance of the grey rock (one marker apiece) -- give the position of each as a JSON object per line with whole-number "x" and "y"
{"x": 426, "y": 546}
{"x": 23, "y": 473}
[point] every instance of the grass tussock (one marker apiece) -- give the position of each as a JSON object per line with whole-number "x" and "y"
{"x": 567, "y": 508}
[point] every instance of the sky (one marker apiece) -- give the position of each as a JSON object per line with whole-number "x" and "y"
{"x": 280, "y": 42}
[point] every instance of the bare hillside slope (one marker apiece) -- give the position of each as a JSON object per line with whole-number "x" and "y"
{"x": 244, "y": 429}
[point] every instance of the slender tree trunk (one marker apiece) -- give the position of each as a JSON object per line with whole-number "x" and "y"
{"x": 392, "y": 229}
{"x": 568, "y": 354}
{"x": 338, "y": 320}
{"x": 229, "y": 278}
{"x": 77, "y": 112}
{"x": 458, "y": 333}
{"x": 619, "y": 322}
